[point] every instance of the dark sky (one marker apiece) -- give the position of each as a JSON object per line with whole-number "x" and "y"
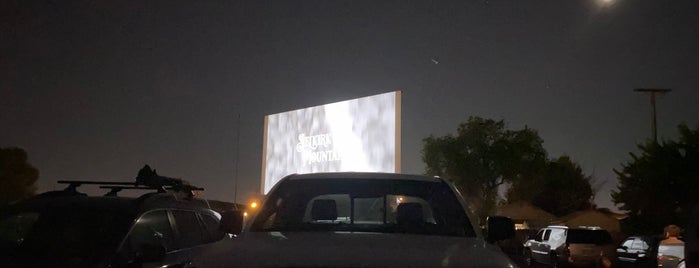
{"x": 96, "y": 89}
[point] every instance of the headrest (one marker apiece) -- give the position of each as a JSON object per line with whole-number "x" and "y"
{"x": 324, "y": 209}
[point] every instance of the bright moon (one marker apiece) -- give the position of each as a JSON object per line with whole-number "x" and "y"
{"x": 605, "y": 2}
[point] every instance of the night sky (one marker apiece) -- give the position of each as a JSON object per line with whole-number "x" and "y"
{"x": 97, "y": 89}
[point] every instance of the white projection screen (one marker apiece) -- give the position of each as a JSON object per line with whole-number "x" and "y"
{"x": 355, "y": 135}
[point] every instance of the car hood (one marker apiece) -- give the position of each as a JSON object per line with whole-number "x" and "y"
{"x": 352, "y": 249}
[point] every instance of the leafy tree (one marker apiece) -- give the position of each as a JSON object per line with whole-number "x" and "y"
{"x": 560, "y": 189}
{"x": 482, "y": 156}
{"x": 17, "y": 176}
{"x": 658, "y": 187}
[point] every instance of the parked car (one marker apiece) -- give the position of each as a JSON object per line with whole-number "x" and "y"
{"x": 366, "y": 220}
{"x": 569, "y": 246}
{"x": 164, "y": 228}
{"x": 638, "y": 251}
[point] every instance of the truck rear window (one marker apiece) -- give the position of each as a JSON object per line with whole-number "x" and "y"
{"x": 363, "y": 205}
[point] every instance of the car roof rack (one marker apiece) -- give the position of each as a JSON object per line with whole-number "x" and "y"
{"x": 114, "y": 189}
{"x": 74, "y": 184}
{"x": 147, "y": 179}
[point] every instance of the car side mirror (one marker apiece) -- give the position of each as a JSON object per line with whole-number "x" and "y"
{"x": 500, "y": 228}
{"x": 232, "y": 222}
{"x": 150, "y": 253}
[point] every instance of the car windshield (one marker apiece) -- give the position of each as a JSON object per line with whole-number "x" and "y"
{"x": 364, "y": 205}
{"x": 597, "y": 237}
{"x": 67, "y": 233}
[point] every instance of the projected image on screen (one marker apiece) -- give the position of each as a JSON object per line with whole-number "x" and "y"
{"x": 355, "y": 135}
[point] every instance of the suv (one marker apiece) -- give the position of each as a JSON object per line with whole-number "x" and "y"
{"x": 365, "y": 220}
{"x": 575, "y": 246}
{"x": 70, "y": 229}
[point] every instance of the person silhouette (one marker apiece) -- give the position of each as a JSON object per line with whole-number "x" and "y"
{"x": 672, "y": 234}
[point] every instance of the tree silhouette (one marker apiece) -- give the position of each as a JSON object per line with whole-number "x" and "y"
{"x": 17, "y": 176}
{"x": 481, "y": 157}
{"x": 658, "y": 187}
{"x": 560, "y": 189}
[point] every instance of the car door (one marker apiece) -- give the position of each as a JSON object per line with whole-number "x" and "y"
{"x": 545, "y": 247}
{"x": 190, "y": 236}
{"x": 152, "y": 232}
{"x": 539, "y": 247}
{"x": 211, "y": 221}
{"x": 196, "y": 231}
{"x": 643, "y": 252}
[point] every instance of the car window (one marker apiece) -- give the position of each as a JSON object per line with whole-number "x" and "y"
{"x": 211, "y": 224}
{"x": 640, "y": 244}
{"x": 539, "y": 235}
{"x": 189, "y": 231}
{"x": 557, "y": 235}
{"x": 364, "y": 205}
{"x": 547, "y": 234}
{"x": 151, "y": 229}
{"x": 368, "y": 210}
{"x": 342, "y": 208}
{"x": 628, "y": 243}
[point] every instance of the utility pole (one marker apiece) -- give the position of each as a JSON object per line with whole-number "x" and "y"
{"x": 653, "y": 92}
{"x": 237, "y": 160}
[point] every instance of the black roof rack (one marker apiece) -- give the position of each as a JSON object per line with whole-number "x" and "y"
{"x": 114, "y": 189}
{"x": 74, "y": 184}
{"x": 147, "y": 179}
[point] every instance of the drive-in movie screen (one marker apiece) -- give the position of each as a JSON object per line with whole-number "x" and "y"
{"x": 355, "y": 135}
